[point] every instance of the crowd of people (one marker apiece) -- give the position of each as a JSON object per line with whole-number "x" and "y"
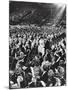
{"x": 37, "y": 60}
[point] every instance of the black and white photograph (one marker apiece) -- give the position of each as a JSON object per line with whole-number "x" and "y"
{"x": 37, "y": 44}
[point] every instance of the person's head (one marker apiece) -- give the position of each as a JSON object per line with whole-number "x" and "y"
{"x": 46, "y": 65}
{"x": 45, "y": 68}
{"x": 11, "y": 72}
{"x": 50, "y": 73}
{"x": 22, "y": 54}
{"x": 61, "y": 70}
{"x": 61, "y": 62}
{"x": 35, "y": 62}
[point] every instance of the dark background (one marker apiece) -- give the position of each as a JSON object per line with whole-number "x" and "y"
{"x": 32, "y": 13}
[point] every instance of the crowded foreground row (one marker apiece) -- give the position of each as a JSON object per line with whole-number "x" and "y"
{"x": 37, "y": 60}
